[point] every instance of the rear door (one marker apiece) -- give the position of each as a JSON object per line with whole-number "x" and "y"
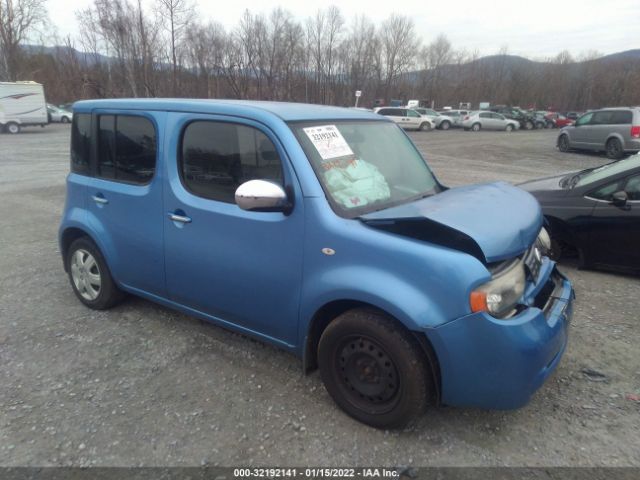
{"x": 124, "y": 197}
{"x": 602, "y": 127}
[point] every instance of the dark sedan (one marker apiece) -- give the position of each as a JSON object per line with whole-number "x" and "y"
{"x": 594, "y": 212}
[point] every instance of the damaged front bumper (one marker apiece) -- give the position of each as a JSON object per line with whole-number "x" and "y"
{"x": 498, "y": 364}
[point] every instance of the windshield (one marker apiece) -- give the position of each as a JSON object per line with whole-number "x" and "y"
{"x": 593, "y": 175}
{"x": 365, "y": 166}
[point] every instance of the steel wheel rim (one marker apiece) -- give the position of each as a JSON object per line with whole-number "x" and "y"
{"x": 85, "y": 274}
{"x": 366, "y": 374}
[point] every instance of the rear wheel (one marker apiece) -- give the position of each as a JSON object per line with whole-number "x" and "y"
{"x": 445, "y": 125}
{"x": 509, "y": 128}
{"x": 563, "y": 143}
{"x": 529, "y": 125}
{"x": 90, "y": 277}
{"x": 425, "y": 126}
{"x": 12, "y": 127}
{"x": 476, "y": 127}
{"x": 65, "y": 120}
{"x": 374, "y": 369}
{"x": 614, "y": 149}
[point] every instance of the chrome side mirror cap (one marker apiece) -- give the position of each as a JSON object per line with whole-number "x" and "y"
{"x": 262, "y": 196}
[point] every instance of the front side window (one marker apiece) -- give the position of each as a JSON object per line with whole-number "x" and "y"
{"x": 585, "y": 119}
{"x": 413, "y": 114}
{"x": 633, "y": 188}
{"x": 126, "y": 148}
{"x": 80, "y": 143}
{"x": 605, "y": 193}
{"x": 365, "y": 166}
{"x": 217, "y": 157}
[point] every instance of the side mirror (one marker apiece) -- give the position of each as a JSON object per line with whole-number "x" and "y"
{"x": 262, "y": 196}
{"x": 620, "y": 198}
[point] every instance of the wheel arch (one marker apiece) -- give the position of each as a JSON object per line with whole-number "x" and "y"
{"x": 67, "y": 237}
{"x": 616, "y": 136}
{"x": 331, "y": 310}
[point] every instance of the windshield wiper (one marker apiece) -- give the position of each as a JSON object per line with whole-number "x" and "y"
{"x": 572, "y": 181}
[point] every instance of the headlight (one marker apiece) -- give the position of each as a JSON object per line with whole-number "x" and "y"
{"x": 501, "y": 294}
{"x": 543, "y": 241}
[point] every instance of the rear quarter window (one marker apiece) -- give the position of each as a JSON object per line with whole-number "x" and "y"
{"x": 80, "y": 143}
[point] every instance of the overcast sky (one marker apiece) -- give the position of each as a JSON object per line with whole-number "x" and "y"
{"x": 533, "y": 28}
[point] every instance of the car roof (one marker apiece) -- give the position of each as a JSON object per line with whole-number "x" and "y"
{"x": 249, "y": 108}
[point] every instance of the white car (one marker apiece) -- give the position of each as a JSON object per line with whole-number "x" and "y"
{"x": 407, "y": 118}
{"x": 57, "y": 115}
{"x": 477, "y": 121}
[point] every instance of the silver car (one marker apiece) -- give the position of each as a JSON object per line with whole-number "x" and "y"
{"x": 407, "y": 118}
{"x": 58, "y": 115}
{"x": 443, "y": 122}
{"x": 477, "y": 121}
{"x": 615, "y": 131}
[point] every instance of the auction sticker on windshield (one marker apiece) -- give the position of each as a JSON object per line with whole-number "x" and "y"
{"x": 329, "y": 142}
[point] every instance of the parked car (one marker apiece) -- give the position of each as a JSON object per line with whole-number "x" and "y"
{"x": 58, "y": 115}
{"x": 441, "y": 121}
{"x": 456, "y": 116}
{"x": 524, "y": 119}
{"x": 407, "y": 118}
{"x": 573, "y": 115}
{"x": 323, "y": 231}
{"x": 615, "y": 131}
{"x": 486, "y": 120}
{"x": 595, "y": 212}
{"x": 557, "y": 120}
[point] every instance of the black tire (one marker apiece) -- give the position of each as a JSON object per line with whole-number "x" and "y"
{"x": 540, "y": 125}
{"x": 108, "y": 294}
{"x": 12, "y": 128}
{"x": 64, "y": 120}
{"x": 529, "y": 125}
{"x": 425, "y": 127}
{"x": 445, "y": 125}
{"x": 374, "y": 369}
{"x": 549, "y": 125}
{"x": 563, "y": 143}
{"x": 509, "y": 128}
{"x": 614, "y": 149}
{"x": 476, "y": 127}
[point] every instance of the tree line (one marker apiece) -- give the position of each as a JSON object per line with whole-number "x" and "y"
{"x": 125, "y": 49}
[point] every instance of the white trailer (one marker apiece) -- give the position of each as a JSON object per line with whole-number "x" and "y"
{"x": 22, "y": 104}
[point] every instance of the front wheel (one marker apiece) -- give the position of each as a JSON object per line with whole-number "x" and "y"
{"x": 90, "y": 277}
{"x": 614, "y": 149}
{"x": 445, "y": 125}
{"x": 374, "y": 369}
{"x": 425, "y": 127}
{"x": 12, "y": 128}
{"x": 529, "y": 125}
{"x": 563, "y": 143}
{"x": 509, "y": 128}
{"x": 65, "y": 120}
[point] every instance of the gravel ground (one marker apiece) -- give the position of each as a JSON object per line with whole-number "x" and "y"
{"x": 143, "y": 385}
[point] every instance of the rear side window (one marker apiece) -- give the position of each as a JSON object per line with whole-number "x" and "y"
{"x": 621, "y": 117}
{"x": 217, "y": 157}
{"x": 126, "y": 148}
{"x": 80, "y": 143}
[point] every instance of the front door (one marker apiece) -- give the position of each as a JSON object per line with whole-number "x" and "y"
{"x": 243, "y": 268}
{"x": 615, "y": 234}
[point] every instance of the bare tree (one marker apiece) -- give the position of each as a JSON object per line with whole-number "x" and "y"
{"x": 399, "y": 46}
{"x": 176, "y": 14}
{"x": 18, "y": 18}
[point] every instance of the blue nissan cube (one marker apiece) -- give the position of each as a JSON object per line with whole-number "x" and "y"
{"x": 323, "y": 231}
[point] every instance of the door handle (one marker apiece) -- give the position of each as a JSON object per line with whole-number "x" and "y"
{"x": 179, "y": 218}
{"x": 99, "y": 199}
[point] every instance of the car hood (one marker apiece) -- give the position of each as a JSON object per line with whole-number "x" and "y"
{"x": 545, "y": 184}
{"x": 492, "y": 221}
